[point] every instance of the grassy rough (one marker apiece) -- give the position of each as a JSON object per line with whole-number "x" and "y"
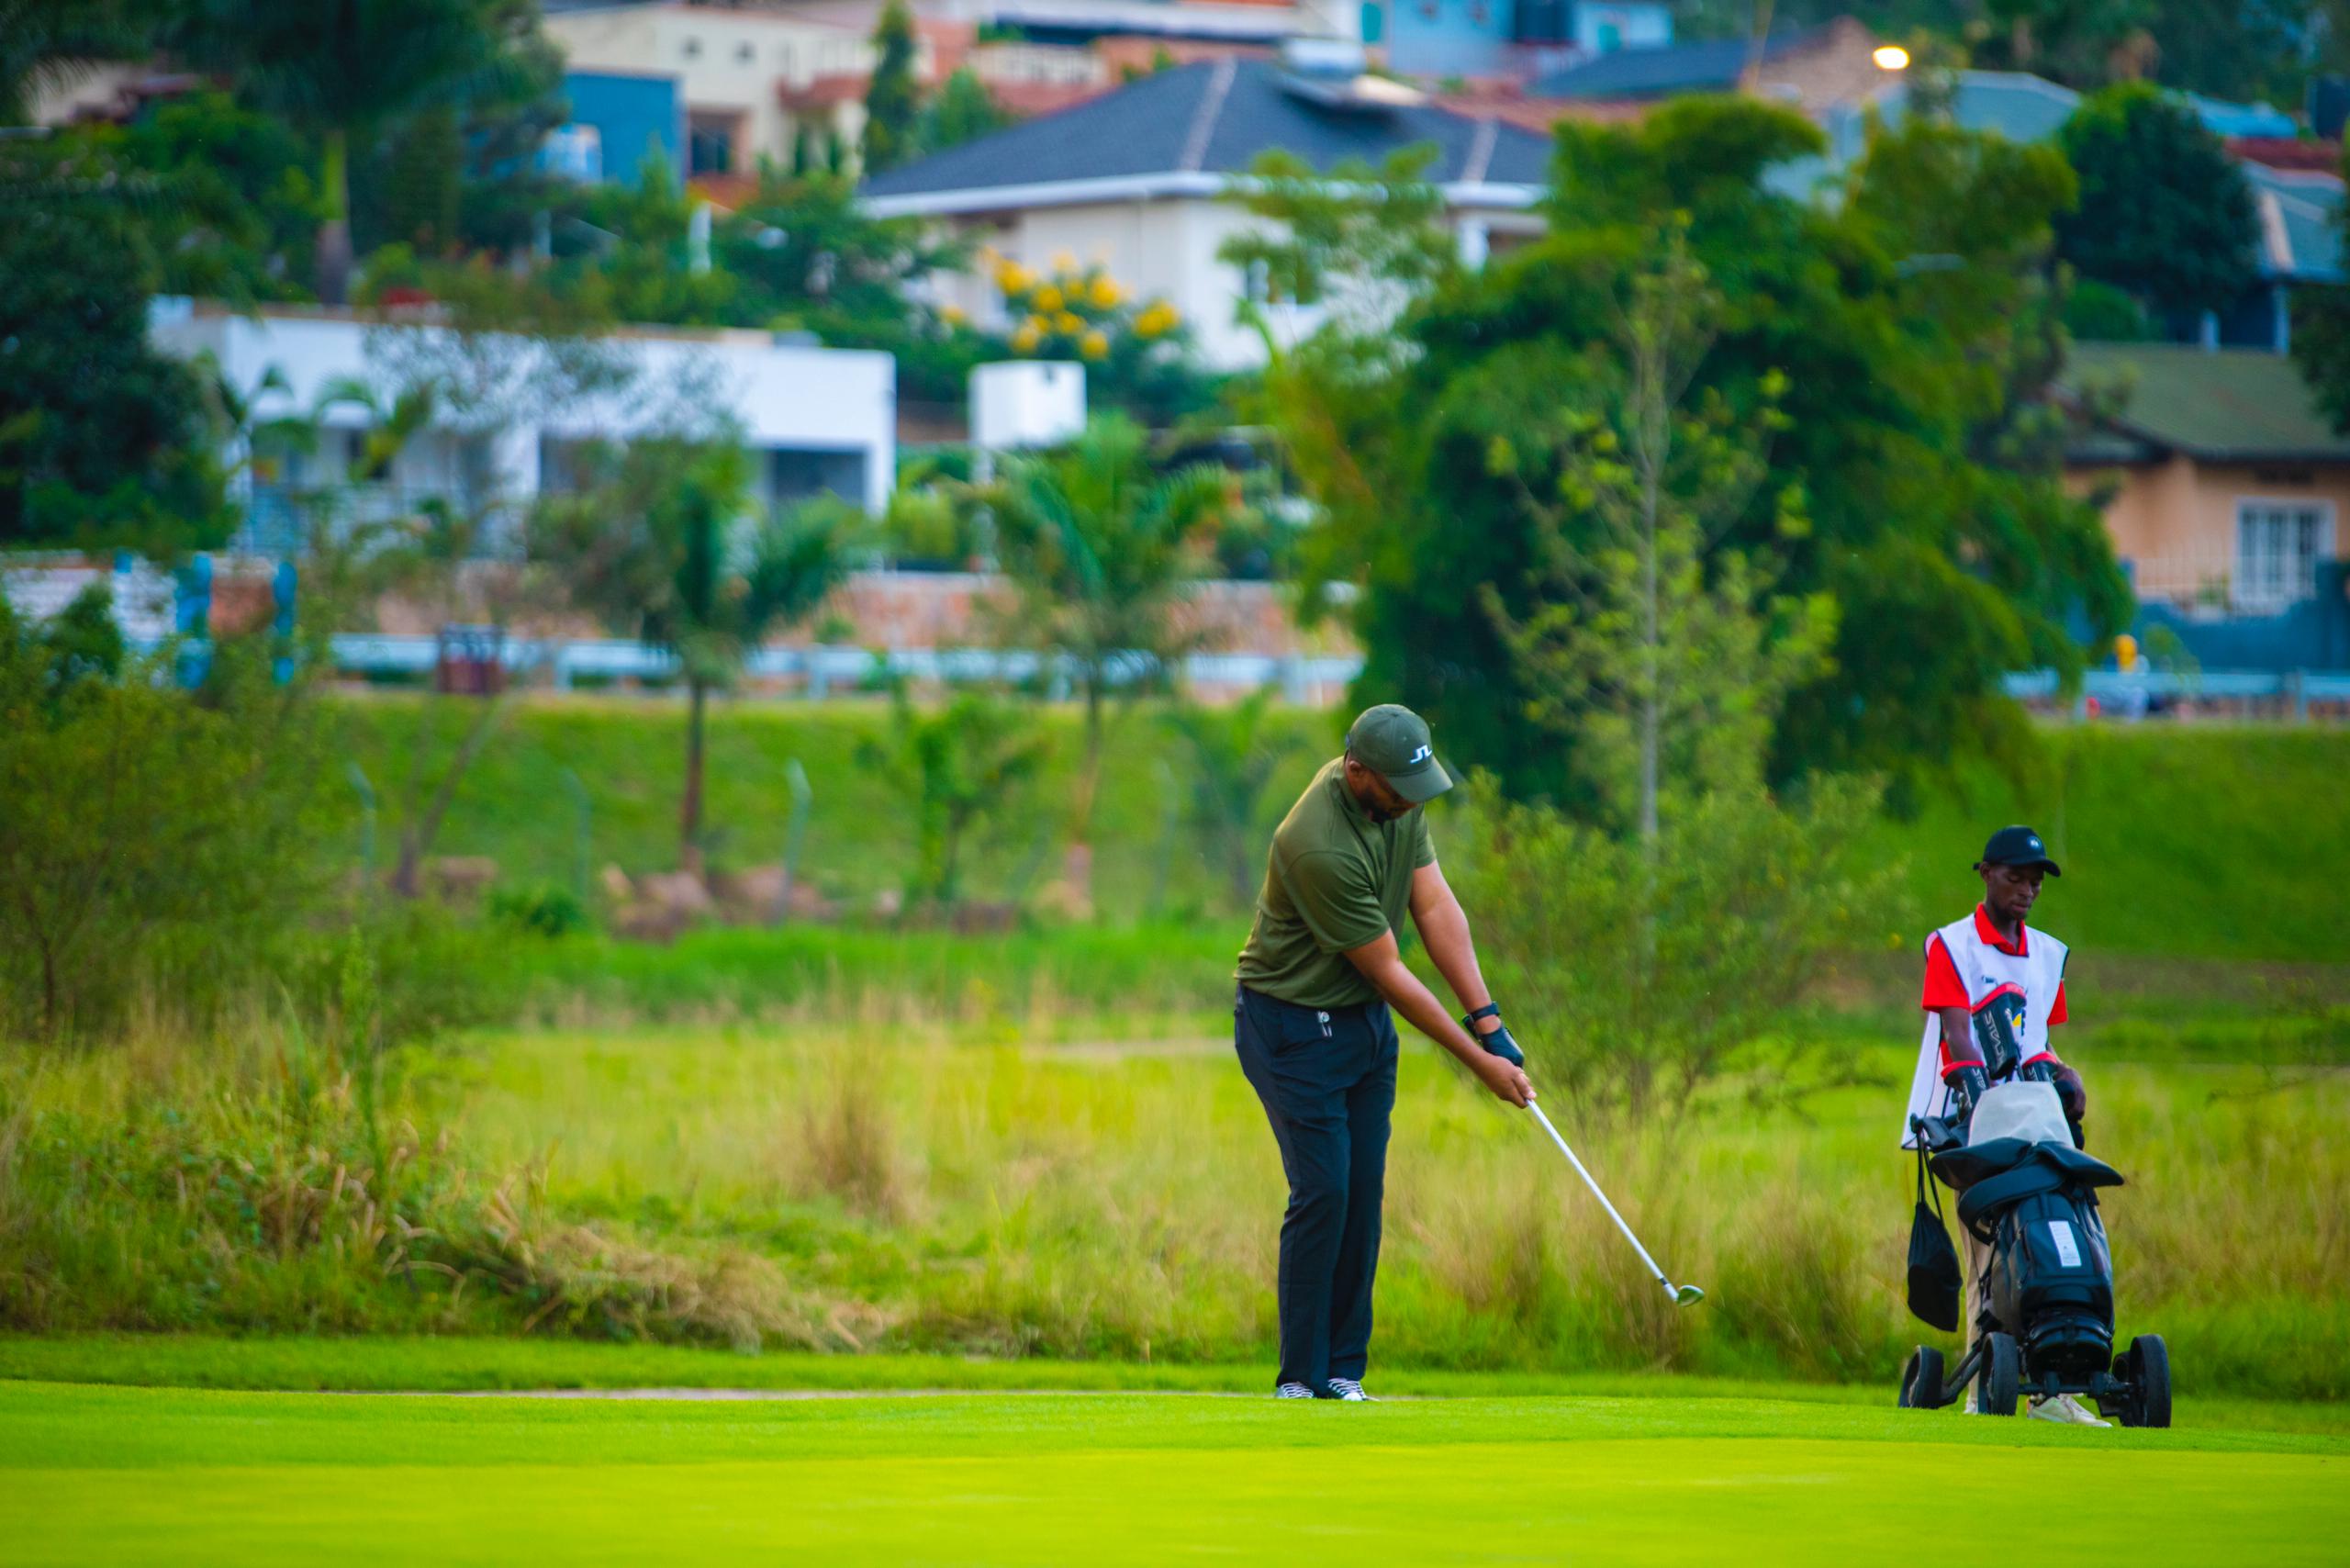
{"x": 139, "y": 1474}
{"x": 876, "y": 1188}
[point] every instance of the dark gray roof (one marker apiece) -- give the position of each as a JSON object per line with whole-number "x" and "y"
{"x": 1675, "y": 68}
{"x": 1215, "y": 116}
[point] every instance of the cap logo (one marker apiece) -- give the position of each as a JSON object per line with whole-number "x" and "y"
{"x": 1421, "y": 755}
{"x": 2035, "y": 844}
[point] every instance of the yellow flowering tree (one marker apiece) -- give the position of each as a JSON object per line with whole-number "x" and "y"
{"x": 1138, "y": 349}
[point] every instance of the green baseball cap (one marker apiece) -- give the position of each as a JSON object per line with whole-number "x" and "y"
{"x": 1393, "y": 742}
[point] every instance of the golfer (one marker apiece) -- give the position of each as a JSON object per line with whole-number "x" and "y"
{"x": 1312, "y": 1026}
{"x": 1991, "y": 958}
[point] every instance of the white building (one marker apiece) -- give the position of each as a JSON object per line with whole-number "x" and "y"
{"x": 819, "y": 419}
{"x": 1142, "y": 182}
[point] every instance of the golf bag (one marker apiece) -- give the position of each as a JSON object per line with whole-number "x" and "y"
{"x": 2044, "y": 1324}
{"x": 2030, "y": 1196}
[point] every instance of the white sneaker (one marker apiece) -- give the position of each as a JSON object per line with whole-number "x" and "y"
{"x": 2064, "y": 1410}
{"x": 1969, "y": 1408}
{"x": 1350, "y": 1390}
{"x": 1292, "y": 1390}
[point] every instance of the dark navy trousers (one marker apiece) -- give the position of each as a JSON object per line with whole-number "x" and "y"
{"x": 1327, "y": 1080}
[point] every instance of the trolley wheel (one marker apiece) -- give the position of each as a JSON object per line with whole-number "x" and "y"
{"x": 1922, "y": 1379}
{"x": 2001, "y": 1377}
{"x": 2145, "y": 1366}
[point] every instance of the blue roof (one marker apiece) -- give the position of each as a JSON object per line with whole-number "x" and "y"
{"x": 1215, "y": 116}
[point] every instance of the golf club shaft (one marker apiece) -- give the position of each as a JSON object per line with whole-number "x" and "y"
{"x": 1600, "y": 1195}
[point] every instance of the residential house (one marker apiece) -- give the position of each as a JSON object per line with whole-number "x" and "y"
{"x": 714, "y": 89}
{"x": 2228, "y": 485}
{"x": 1142, "y": 182}
{"x": 817, "y": 420}
{"x": 1814, "y": 70}
{"x": 2296, "y": 208}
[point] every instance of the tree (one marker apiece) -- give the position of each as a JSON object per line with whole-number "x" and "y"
{"x": 664, "y": 541}
{"x": 1916, "y": 431}
{"x": 103, "y": 440}
{"x": 893, "y": 101}
{"x": 1099, "y": 546}
{"x": 2164, "y": 214}
{"x": 506, "y": 355}
{"x": 1234, "y": 752}
{"x": 240, "y": 217}
{"x": 1661, "y": 664}
{"x": 341, "y": 73}
{"x": 955, "y": 768}
{"x": 152, "y": 839}
{"x": 960, "y": 111}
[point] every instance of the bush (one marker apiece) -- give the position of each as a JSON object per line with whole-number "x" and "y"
{"x": 1642, "y": 973}
{"x": 155, "y": 841}
{"x": 543, "y": 911}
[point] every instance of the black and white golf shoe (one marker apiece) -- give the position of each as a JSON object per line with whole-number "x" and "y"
{"x": 1350, "y": 1390}
{"x": 1293, "y": 1390}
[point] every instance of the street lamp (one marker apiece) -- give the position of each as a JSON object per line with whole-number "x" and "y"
{"x": 1891, "y": 57}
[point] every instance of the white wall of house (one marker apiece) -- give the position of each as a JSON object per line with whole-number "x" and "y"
{"x": 815, "y": 415}
{"x": 727, "y": 62}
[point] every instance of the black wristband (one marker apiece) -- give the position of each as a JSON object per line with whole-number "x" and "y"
{"x": 1468, "y": 1019}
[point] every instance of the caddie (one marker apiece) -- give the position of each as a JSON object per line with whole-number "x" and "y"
{"x": 1991, "y": 975}
{"x": 1313, "y": 1026}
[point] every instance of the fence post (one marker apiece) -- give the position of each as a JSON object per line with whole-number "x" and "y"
{"x": 366, "y": 823}
{"x": 584, "y": 824}
{"x": 796, "y": 778}
{"x": 1171, "y": 823}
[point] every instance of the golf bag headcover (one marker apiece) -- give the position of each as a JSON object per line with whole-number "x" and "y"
{"x": 1999, "y": 1031}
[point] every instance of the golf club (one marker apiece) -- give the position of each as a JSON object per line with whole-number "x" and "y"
{"x": 1683, "y": 1295}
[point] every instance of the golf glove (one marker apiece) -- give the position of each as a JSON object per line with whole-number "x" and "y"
{"x": 1499, "y": 1042}
{"x": 1967, "y": 1082}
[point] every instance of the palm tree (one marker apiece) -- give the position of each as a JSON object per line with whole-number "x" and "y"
{"x": 1100, "y": 546}
{"x": 341, "y": 69}
{"x": 667, "y": 545}
{"x": 1234, "y": 752}
{"x": 46, "y": 44}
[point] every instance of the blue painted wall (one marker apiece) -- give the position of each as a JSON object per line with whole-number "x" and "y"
{"x": 1470, "y": 37}
{"x": 1445, "y": 37}
{"x": 632, "y": 115}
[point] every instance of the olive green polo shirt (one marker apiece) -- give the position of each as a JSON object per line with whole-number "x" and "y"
{"x": 1335, "y": 879}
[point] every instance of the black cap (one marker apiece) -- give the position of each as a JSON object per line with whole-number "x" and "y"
{"x": 2018, "y": 846}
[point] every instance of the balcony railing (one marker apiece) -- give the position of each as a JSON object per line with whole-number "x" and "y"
{"x": 282, "y": 520}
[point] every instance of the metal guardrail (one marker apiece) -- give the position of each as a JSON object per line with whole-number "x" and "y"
{"x": 825, "y": 667}
{"x": 2299, "y": 687}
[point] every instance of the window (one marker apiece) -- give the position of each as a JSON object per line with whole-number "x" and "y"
{"x": 2279, "y": 545}
{"x": 743, "y": 53}
{"x": 710, "y": 143}
{"x": 692, "y": 48}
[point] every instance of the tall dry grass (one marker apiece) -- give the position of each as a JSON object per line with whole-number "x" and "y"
{"x": 873, "y": 1184}
{"x": 1081, "y": 1201}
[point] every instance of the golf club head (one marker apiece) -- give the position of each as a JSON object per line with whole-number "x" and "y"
{"x": 1687, "y": 1296}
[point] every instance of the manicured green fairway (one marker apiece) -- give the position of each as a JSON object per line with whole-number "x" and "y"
{"x": 92, "y": 1475}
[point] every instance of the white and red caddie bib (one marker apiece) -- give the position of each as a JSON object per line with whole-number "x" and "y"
{"x": 1968, "y": 965}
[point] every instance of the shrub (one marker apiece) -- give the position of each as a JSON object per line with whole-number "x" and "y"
{"x": 1643, "y": 968}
